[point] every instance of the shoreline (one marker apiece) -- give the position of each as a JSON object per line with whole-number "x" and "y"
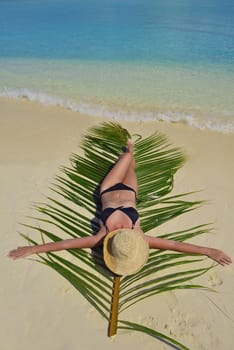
{"x": 42, "y": 309}
{"x": 199, "y": 116}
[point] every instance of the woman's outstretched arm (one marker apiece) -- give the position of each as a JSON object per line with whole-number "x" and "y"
{"x": 215, "y": 254}
{"x": 84, "y": 242}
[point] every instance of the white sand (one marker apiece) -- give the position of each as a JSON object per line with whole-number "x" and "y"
{"x": 41, "y": 310}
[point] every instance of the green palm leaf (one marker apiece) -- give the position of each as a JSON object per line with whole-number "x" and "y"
{"x": 139, "y": 328}
{"x": 77, "y": 211}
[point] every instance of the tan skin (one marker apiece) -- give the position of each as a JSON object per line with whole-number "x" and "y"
{"x": 123, "y": 171}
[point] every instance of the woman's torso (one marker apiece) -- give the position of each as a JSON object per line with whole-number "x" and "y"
{"x": 119, "y": 198}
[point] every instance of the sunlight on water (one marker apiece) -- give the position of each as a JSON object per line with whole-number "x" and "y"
{"x": 132, "y": 59}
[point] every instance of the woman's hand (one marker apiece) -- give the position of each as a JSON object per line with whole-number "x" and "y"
{"x": 21, "y": 252}
{"x": 219, "y": 256}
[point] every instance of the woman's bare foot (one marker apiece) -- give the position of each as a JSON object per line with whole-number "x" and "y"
{"x": 130, "y": 145}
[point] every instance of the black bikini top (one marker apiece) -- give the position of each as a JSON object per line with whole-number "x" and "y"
{"x": 131, "y": 212}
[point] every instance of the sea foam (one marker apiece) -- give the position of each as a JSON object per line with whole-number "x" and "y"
{"x": 223, "y": 125}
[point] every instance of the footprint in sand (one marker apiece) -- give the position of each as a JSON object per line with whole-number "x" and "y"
{"x": 214, "y": 280}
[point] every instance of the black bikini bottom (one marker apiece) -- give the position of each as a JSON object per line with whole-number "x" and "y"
{"x": 119, "y": 186}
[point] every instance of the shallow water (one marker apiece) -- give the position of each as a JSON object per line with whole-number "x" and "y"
{"x": 129, "y": 59}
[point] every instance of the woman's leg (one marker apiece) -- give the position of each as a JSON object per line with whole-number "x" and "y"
{"x": 120, "y": 170}
{"x": 130, "y": 178}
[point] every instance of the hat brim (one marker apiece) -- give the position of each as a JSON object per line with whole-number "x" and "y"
{"x": 128, "y": 265}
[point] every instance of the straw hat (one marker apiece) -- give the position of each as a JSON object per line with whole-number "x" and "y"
{"x": 125, "y": 251}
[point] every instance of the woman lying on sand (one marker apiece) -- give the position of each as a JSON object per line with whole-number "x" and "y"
{"x": 118, "y": 194}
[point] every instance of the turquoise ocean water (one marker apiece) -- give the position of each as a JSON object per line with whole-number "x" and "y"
{"x": 123, "y": 59}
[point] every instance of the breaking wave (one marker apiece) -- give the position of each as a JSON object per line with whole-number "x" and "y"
{"x": 224, "y": 124}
